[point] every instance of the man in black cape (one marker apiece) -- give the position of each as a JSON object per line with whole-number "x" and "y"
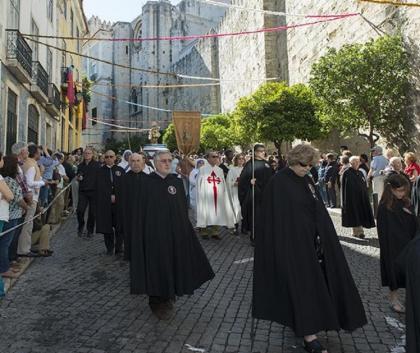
{"x": 262, "y": 173}
{"x": 301, "y": 277}
{"x": 130, "y": 194}
{"x": 108, "y": 206}
{"x": 167, "y": 259}
{"x": 356, "y": 211}
{"x": 409, "y": 263}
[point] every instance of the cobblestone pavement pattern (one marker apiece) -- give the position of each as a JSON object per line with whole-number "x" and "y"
{"x": 79, "y": 301}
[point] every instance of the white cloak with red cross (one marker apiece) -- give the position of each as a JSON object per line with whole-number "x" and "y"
{"x": 213, "y": 203}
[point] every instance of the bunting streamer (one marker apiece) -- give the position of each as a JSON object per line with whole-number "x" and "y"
{"x": 208, "y": 35}
{"x": 265, "y": 12}
{"x": 394, "y": 3}
{"x": 140, "y": 105}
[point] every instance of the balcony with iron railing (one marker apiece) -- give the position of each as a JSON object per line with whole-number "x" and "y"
{"x": 39, "y": 87}
{"x": 19, "y": 56}
{"x": 54, "y": 100}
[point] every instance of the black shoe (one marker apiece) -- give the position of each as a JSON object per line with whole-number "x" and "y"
{"x": 110, "y": 252}
{"x": 80, "y": 233}
{"x": 164, "y": 310}
{"x": 89, "y": 235}
{"x": 29, "y": 254}
{"x": 313, "y": 347}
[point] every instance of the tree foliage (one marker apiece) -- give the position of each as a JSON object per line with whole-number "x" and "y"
{"x": 169, "y": 137}
{"x": 217, "y": 132}
{"x": 365, "y": 87}
{"x": 277, "y": 113}
{"x": 135, "y": 142}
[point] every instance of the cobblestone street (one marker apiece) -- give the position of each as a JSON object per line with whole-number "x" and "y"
{"x": 79, "y": 301}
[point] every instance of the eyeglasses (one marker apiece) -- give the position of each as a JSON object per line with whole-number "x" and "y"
{"x": 305, "y": 165}
{"x": 106, "y": 157}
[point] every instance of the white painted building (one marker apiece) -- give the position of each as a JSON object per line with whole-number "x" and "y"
{"x": 31, "y": 73}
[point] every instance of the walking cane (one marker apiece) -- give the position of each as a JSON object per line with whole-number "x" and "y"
{"x": 253, "y": 328}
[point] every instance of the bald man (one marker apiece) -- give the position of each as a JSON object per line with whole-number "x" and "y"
{"x": 108, "y": 205}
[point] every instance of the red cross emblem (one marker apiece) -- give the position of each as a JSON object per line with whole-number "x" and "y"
{"x": 214, "y": 179}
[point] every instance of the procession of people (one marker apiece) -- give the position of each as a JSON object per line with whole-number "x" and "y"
{"x": 301, "y": 276}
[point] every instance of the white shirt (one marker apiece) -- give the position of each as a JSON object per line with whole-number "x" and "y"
{"x": 33, "y": 184}
{"x": 62, "y": 173}
{"x": 4, "y": 207}
{"x": 148, "y": 169}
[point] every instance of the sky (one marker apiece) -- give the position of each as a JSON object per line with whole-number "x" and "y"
{"x": 114, "y": 10}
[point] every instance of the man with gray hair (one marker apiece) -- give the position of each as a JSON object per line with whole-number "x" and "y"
{"x": 20, "y": 149}
{"x": 356, "y": 211}
{"x": 377, "y": 166}
{"x": 167, "y": 259}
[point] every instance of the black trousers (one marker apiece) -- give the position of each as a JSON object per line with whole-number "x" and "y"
{"x": 114, "y": 240}
{"x": 86, "y": 198}
{"x": 332, "y": 198}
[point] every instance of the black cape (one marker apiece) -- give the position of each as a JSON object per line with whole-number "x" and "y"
{"x": 396, "y": 228}
{"x": 131, "y": 207}
{"x": 166, "y": 256}
{"x": 262, "y": 173}
{"x": 290, "y": 285}
{"x": 356, "y": 210}
{"x": 409, "y": 264}
{"x": 104, "y": 189}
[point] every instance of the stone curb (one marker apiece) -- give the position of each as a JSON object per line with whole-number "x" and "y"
{"x": 334, "y": 211}
{"x": 10, "y": 282}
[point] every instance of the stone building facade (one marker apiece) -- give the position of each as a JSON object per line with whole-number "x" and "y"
{"x": 31, "y": 99}
{"x": 242, "y": 63}
{"x": 157, "y": 19}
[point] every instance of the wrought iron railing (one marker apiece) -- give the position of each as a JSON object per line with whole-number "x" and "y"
{"x": 55, "y": 96}
{"x": 40, "y": 76}
{"x": 18, "y": 49}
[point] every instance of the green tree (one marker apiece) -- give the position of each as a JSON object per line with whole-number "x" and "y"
{"x": 169, "y": 137}
{"x": 134, "y": 142}
{"x": 277, "y": 113}
{"x": 217, "y": 132}
{"x": 365, "y": 87}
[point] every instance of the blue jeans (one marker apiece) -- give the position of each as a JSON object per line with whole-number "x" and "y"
{"x": 5, "y": 241}
{"x": 323, "y": 191}
{"x": 44, "y": 193}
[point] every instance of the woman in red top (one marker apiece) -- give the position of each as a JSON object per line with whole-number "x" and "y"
{"x": 412, "y": 169}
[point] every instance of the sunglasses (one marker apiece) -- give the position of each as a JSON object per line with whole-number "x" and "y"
{"x": 305, "y": 165}
{"x": 214, "y": 156}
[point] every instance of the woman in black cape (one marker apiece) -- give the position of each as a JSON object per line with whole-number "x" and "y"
{"x": 397, "y": 226}
{"x": 301, "y": 277}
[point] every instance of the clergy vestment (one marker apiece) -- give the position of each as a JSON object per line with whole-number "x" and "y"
{"x": 108, "y": 214}
{"x": 166, "y": 257}
{"x": 131, "y": 207}
{"x": 213, "y": 204}
{"x": 301, "y": 276}
{"x": 396, "y": 228}
{"x": 262, "y": 174}
{"x": 356, "y": 210}
{"x": 232, "y": 180}
{"x": 409, "y": 268}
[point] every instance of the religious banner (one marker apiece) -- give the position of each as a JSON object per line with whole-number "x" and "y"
{"x": 187, "y": 131}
